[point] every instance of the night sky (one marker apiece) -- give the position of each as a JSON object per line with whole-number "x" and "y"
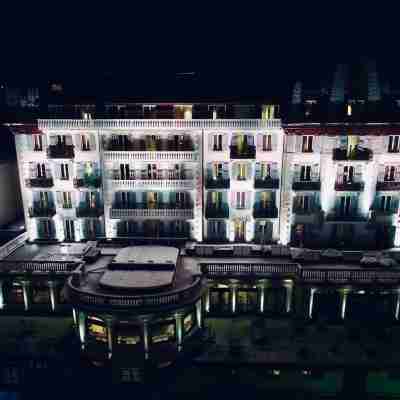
{"x": 247, "y": 49}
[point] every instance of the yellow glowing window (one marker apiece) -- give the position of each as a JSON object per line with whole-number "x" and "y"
{"x": 349, "y": 109}
{"x": 121, "y": 339}
{"x": 163, "y": 333}
{"x": 188, "y": 323}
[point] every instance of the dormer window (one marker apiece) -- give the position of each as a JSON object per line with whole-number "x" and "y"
{"x": 309, "y": 106}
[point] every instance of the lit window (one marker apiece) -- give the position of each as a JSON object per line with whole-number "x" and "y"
{"x": 394, "y": 144}
{"x": 307, "y": 144}
{"x": 349, "y": 109}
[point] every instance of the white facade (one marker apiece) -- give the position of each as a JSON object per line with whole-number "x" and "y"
{"x": 207, "y": 180}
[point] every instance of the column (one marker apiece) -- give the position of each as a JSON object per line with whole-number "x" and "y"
{"x": 1, "y": 296}
{"x": 146, "y": 339}
{"x": 199, "y": 313}
{"x": 82, "y": 328}
{"x": 343, "y": 302}
{"x": 74, "y": 317}
{"x": 233, "y": 296}
{"x": 109, "y": 322}
{"x": 261, "y": 294}
{"x": 25, "y": 291}
{"x": 207, "y": 299}
{"x": 311, "y": 304}
{"x": 52, "y": 295}
{"x": 396, "y": 315}
{"x": 179, "y": 330}
{"x": 289, "y": 294}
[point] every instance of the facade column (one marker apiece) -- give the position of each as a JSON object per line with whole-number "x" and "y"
{"x": 1, "y": 295}
{"x": 25, "y": 292}
{"x": 289, "y": 294}
{"x": 343, "y": 302}
{"x": 179, "y": 330}
{"x": 199, "y": 312}
{"x": 146, "y": 339}
{"x": 109, "y": 322}
{"x": 311, "y": 304}
{"x": 397, "y": 311}
{"x": 233, "y": 296}
{"x": 82, "y": 328}
{"x": 52, "y": 295}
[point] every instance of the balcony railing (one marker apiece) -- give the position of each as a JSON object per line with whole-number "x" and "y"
{"x": 354, "y": 155}
{"x": 150, "y": 156}
{"x": 158, "y": 145}
{"x": 218, "y": 183}
{"x": 388, "y": 185}
{"x": 217, "y": 211}
{"x": 270, "y": 270}
{"x": 167, "y": 235}
{"x": 158, "y": 124}
{"x": 244, "y": 152}
{"x": 153, "y": 184}
{"x": 341, "y": 217}
{"x": 161, "y": 210}
{"x": 307, "y": 211}
{"x": 266, "y": 183}
{"x": 84, "y": 211}
{"x": 56, "y": 151}
{"x": 42, "y": 211}
{"x": 349, "y": 186}
{"x": 260, "y": 211}
{"x": 93, "y": 181}
{"x": 306, "y": 185}
{"x": 39, "y": 182}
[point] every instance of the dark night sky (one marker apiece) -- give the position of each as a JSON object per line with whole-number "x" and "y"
{"x": 247, "y": 48}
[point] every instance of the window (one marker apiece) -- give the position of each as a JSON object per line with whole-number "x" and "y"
{"x": 64, "y": 172}
{"x": 394, "y": 144}
{"x": 163, "y": 332}
{"x": 66, "y": 198}
{"x": 188, "y": 323}
{"x": 390, "y": 173}
{"x": 267, "y": 142}
{"x": 96, "y": 329}
{"x": 217, "y": 143}
{"x": 241, "y": 172}
{"x": 40, "y": 170}
{"x": 217, "y": 171}
{"x": 348, "y": 174}
{"x": 130, "y": 375}
{"x": 305, "y": 173}
{"x": 303, "y": 203}
{"x": 85, "y": 144}
{"x": 385, "y": 204}
{"x": 307, "y": 144}
{"x": 266, "y": 199}
{"x": 37, "y": 143}
{"x": 128, "y": 340}
{"x": 240, "y": 200}
{"x": 345, "y": 205}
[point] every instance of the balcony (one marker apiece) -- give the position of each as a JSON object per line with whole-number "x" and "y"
{"x": 218, "y": 183}
{"x": 56, "y": 151}
{"x": 93, "y": 181}
{"x": 150, "y": 156}
{"x": 38, "y": 210}
{"x": 266, "y": 183}
{"x": 243, "y": 153}
{"x": 157, "y": 145}
{"x": 217, "y": 211}
{"x": 39, "y": 182}
{"x": 349, "y": 186}
{"x": 146, "y": 235}
{"x": 354, "y": 155}
{"x": 388, "y": 185}
{"x": 160, "y": 210}
{"x": 264, "y": 211}
{"x": 85, "y": 211}
{"x": 342, "y": 217}
{"x": 306, "y": 185}
{"x": 153, "y": 184}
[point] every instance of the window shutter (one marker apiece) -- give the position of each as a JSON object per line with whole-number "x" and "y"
{"x": 397, "y": 173}
{"x": 296, "y": 173}
{"x": 57, "y": 168}
{"x": 385, "y": 143}
{"x": 210, "y": 141}
{"x": 337, "y": 204}
{"x": 233, "y": 199}
{"x": 250, "y": 139}
{"x": 247, "y": 199}
{"x": 32, "y": 168}
{"x": 317, "y": 143}
{"x": 315, "y": 172}
{"x": 299, "y": 141}
{"x": 274, "y": 141}
{"x": 354, "y": 204}
{"x": 358, "y": 173}
{"x": 59, "y": 198}
{"x": 381, "y": 172}
{"x": 274, "y": 170}
{"x": 339, "y": 176}
{"x": 317, "y": 201}
{"x": 259, "y": 141}
{"x": 257, "y": 171}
